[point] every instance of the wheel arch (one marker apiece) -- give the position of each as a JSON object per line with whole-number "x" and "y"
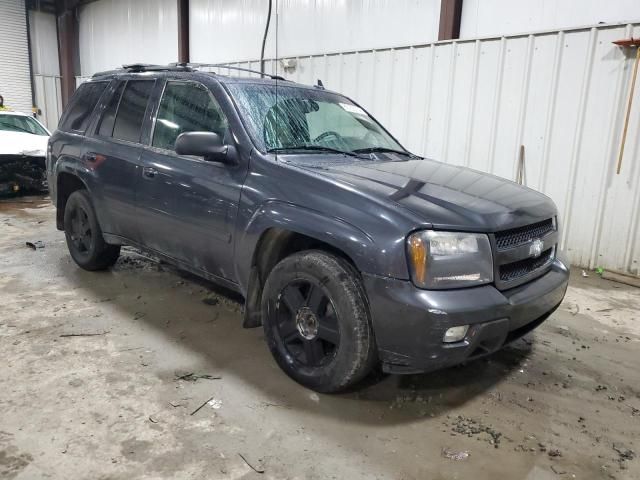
{"x": 278, "y": 230}
{"x": 66, "y": 184}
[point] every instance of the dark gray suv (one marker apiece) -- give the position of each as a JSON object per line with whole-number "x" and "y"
{"x": 348, "y": 249}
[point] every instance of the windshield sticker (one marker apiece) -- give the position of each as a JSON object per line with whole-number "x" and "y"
{"x": 352, "y": 108}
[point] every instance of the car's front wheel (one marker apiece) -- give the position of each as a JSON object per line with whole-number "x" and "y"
{"x": 84, "y": 236}
{"x": 316, "y": 321}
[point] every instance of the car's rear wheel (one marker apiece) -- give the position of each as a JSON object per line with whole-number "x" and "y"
{"x": 84, "y": 236}
{"x": 316, "y": 321}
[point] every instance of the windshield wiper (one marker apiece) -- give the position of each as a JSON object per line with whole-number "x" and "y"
{"x": 384, "y": 150}
{"x": 316, "y": 148}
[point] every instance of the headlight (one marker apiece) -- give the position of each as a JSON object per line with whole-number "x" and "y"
{"x": 440, "y": 260}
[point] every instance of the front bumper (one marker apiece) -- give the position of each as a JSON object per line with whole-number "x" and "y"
{"x": 409, "y": 323}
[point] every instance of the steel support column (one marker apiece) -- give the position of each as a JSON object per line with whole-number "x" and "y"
{"x": 183, "y": 31}
{"x": 450, "y": 16}
{"x": 68, "y": 52}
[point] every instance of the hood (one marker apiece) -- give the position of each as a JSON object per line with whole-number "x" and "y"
{"x": 442, "y": 195}
{"x": 18, "y": 143}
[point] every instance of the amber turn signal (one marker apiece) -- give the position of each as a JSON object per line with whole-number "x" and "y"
{"x": 418, "y": 258}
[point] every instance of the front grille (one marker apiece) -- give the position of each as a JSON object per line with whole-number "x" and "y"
{"x": 514, "y": 270}
{"x": 519, "y": 236}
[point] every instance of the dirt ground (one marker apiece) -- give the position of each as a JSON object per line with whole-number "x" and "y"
{"x": 102, "y": 375}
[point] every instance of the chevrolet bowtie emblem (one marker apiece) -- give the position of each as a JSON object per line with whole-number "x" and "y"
{"x": 535, "y": 250}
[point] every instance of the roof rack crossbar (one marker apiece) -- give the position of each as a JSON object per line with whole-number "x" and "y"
{"x": 148, "y": 67}
{"x": 144, "y": 67}
{"x": 230, "y": 67}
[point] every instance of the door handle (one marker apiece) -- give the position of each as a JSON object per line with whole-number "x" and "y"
{"x": 149, "y": 172}
{"x": 93, "y": 157}
{"x": 93, "y": 160}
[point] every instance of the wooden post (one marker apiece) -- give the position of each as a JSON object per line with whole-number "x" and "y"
{"x": 626, "y": 120}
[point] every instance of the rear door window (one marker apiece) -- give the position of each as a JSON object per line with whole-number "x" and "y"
{"x": 131, "y": 110}
{"x": 187, "y": 107}
{"x": 78, "y": 115}
{"x": 105, "y": 127}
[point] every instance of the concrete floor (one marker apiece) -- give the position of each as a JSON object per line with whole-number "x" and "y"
{"x": 562, "y": 403}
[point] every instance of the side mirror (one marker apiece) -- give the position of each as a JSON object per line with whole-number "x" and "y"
{"x": 203, "y": 144}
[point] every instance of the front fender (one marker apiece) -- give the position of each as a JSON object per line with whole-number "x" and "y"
{"x": 354, "y": 242}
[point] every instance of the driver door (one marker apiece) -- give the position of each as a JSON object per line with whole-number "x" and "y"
{"x": 187, "y": 205}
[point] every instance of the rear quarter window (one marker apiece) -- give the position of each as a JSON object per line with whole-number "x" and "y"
{"x": 77, "y": 115}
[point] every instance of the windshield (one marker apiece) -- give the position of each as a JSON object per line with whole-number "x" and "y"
{"x": 292, "y": 118}
{"x": 20, "y": 123}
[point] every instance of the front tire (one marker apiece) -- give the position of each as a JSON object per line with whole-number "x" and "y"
{"x": 316, "y": 321}
{"x": 84, "y": 236}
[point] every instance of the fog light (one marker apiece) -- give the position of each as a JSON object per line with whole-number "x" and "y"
{"x": 455, "y": 334}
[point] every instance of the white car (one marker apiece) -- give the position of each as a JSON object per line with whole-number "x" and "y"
{"x": 23, "y": 148}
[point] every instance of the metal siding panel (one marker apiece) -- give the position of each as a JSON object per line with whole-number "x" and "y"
{"x": 463, "y": 82}
{"x": 48, "y": 99}
{"x": 236, "y": 27}
{"x": 417, "y": 99}
{"x": 552, "y": 102}
{"x": 512, "y": 91}
{"x": 46, "y": 69}
{"x": 557, "y": 184}
{"x": 399, "y": 91}
{"x": 439, "y": 104}
{"x": 117, "y": 32}
{"x": 619, "y": 237}
{"x": 367, "y": 79}
{"x": 44, "y": 43}
{"x": 482, "y": 18}
{"x": 332, "y": 76}
{"x": 594, "y": 158}
{"x": 578, "y": 135}
{"x": 486, "y": 96}
{"x": 381, "y": 105}
{"x": 537, "y": 107}
{"x": 349, "y": 75}
{"x": 15, "y": 81}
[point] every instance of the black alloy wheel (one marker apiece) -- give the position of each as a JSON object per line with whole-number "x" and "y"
{"x": 308, "y": 323}
{"x": 81, "y": 233}
{"x": 316, "y": 321}
{"x": 84, "y": 237}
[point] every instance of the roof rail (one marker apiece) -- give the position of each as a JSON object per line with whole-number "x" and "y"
{"x": 181, "y": 67}
{"x": 230, "y": 67}
{"x": 143, "y": 67}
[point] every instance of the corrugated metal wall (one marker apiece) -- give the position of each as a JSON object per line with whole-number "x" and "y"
{"x": 15, "y": 81}
{"x": 560, "y": 94}
{"x": 223, "y": 30}
{"x": 116, "y": 32}
{"x": 46, "y": 68}
{"x": 484, "y": 18}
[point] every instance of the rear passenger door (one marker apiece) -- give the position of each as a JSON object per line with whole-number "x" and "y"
{"x": 113, "y": 154}
{"x": 188, "y": 205}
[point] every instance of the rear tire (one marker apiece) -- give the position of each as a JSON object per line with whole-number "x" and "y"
{"x": 316, "y": 321}
{"x": 84, "y": 236}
